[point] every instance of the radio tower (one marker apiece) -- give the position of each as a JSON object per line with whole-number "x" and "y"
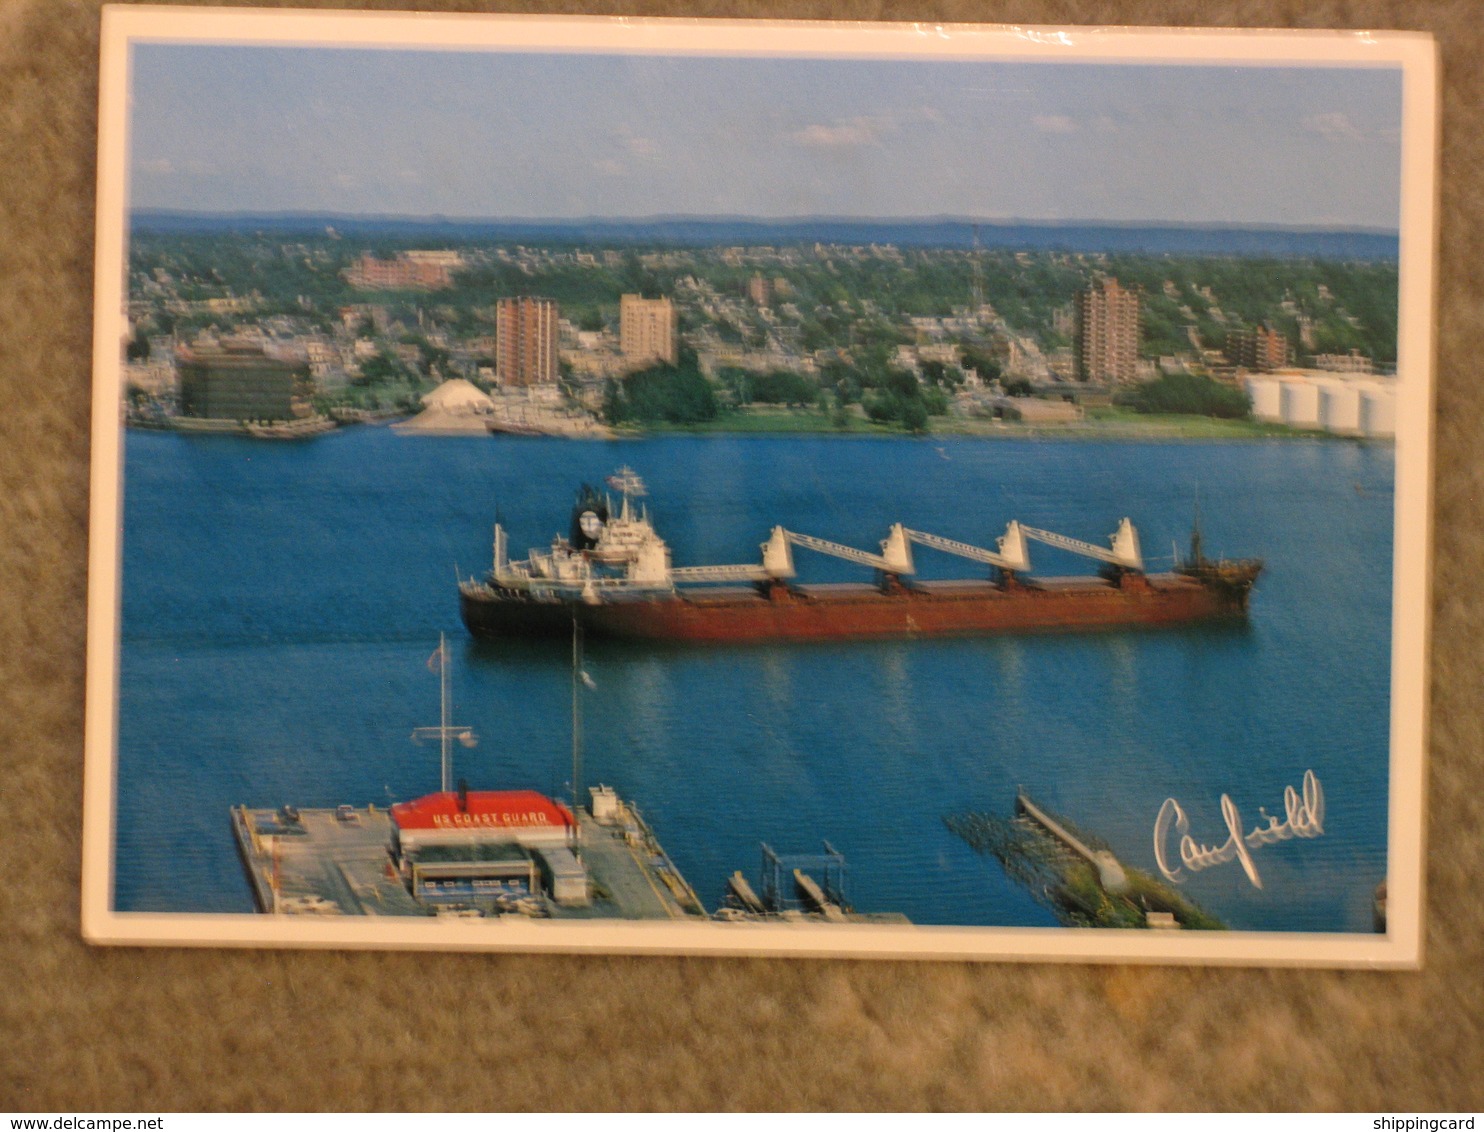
{"x": 446, "y": 733}
{"x": 977, "y": 293}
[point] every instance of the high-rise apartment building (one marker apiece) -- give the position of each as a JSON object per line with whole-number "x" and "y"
{"x": 526, "y": 341}
{"x": 646, "y": 329}
{"x": 1108, "y": 332}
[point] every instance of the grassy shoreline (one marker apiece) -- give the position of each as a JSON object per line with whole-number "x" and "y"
{"x": 1111, "y": 424}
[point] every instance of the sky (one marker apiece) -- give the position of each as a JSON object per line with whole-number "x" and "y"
{"x": 500, "y": 135}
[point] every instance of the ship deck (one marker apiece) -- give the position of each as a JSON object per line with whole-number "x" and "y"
{"x": 732, "y": 596}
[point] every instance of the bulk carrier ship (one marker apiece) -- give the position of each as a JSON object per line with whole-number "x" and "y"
{"x": 612, "y": 576}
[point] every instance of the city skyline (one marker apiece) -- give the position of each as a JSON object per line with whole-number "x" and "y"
{"x": 488, "y": 134}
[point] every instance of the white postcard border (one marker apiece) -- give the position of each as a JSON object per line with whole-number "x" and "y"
{"x": 1413, "y": 53}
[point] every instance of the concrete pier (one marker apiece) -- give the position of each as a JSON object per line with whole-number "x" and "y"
{"x": 336, "y": 863}
{"x": 1110, "y": 873}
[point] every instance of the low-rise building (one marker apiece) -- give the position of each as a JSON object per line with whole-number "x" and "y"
{"x": 1352, "y": 362}
{"x": 155, "y": 377}
{"x": 409, "y": 271}
{"x": 1261, "y": 349}
{"x": 240, "y": 383}
{"x": 1036, "y": 410}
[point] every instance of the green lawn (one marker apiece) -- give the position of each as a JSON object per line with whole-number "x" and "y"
{"x": 769, "y": 420}
{"x": 1102, "y": 423}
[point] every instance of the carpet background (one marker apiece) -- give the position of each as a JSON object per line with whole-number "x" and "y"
{"x": 179, "y": 1029}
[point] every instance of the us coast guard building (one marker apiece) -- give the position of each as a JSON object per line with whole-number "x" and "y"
{"x": 463, "y": 843}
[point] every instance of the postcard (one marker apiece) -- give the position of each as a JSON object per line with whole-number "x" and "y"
{"x": 727, "y": 487}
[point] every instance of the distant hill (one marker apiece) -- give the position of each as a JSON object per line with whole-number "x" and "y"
{"x": 953, "y": 232}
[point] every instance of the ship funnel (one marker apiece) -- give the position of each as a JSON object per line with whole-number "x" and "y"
{"x": 1126, "y": 546}
{"x": 1013, "y": 549}
{"x": 778, "y": 555}
{"x": 897, "y": 552}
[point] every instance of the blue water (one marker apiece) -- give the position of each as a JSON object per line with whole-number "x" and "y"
{"x": 280, "y": 601}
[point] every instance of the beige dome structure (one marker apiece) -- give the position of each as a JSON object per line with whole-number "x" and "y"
{"x": 457, "y": 407}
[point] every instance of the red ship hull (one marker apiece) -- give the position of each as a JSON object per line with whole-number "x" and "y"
{"x": 857, "y": 612}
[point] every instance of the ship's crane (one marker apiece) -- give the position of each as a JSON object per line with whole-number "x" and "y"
{"x": 895, "y": 557}
{"x": 1012, "y": 554}
{"x": 1125, "y": 552}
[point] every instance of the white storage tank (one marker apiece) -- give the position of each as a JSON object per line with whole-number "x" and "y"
{"x": 1300, "y": 403}
{"x": 1339, "y": 407}
{"x": 1267, "y": 399}
{"x": 1378, "y": 410}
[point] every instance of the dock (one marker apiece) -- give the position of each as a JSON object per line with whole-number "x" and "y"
{"x": 792, "y": 895}
{"x": 337, "y": 862}
{"x": 344, "y": 861}
{"x": 322, "y": 864}
{"x": 1109, "y": 872}
{"x": 1077, "y": 877}
{"x": 633, "y": 877}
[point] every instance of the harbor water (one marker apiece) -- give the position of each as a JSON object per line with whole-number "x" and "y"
{"x": 280, "y": 601}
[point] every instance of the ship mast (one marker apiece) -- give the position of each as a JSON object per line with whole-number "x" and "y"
{"x": 627, "y": 483}
{"x": 1197, "y": 555}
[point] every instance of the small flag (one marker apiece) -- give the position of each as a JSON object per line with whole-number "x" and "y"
{"x": 435, "y": 662}
{"x": 587, "y": 680}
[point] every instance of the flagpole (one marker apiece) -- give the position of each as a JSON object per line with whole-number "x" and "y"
{"x": 443, "y": 706}
{"x": 576, "y": 716}
{"x": 447, "y": 732}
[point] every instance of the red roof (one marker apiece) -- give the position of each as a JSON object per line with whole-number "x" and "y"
{"x": 486, "y": 809}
